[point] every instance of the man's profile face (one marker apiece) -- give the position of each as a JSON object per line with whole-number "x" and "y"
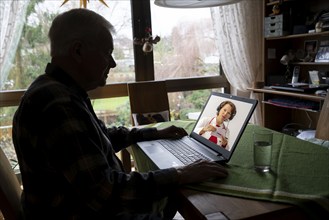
{"x": 99, "y": 61}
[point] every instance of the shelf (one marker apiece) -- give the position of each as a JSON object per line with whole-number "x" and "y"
{"x": 325, "y": 33}
{"x": 277, "y": 2}
{"x": 280, "y": 107}
{"x": 297, "y": 108}
{"x": 291, "y": 94}
{"x": 311, "y": 63}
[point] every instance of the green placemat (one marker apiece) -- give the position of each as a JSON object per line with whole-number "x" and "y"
{"x": 299, "y": 176}
{"x": 299, "y": 172}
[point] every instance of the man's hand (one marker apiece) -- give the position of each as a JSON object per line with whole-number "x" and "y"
{"x": 200, "y": 171}
{"x": 171, "y": 132}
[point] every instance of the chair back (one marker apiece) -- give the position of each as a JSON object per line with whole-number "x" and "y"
{"x": 10, "y": 190}
{"x": 322, "y": 128}
{"x": 149, "y": 100}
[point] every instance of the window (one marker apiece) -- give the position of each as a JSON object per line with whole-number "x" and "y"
{"x": 179, "y": 37}
{"x": 6, "y": 115}
{"x": 187, "y": 47}
{"x": 33, "y": 50}
{"x": 188, "y": 105}
{"x": 113, "y": 111}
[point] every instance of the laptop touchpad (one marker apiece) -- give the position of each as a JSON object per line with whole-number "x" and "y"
{"x": 153, "y": 149}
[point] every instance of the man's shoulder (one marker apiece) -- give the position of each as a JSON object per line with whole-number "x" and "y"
{"x": 45, "y": 90}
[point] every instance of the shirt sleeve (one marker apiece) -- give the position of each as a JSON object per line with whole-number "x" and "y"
{"x": 122, "y": 137}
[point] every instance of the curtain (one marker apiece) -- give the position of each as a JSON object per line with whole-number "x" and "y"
{"x": 238, "y": 29}
{"x": 12, "y": 18}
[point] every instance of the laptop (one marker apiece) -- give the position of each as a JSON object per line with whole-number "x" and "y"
{"x": 210, "y": 145}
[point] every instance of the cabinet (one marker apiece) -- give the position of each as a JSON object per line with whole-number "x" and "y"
{"x": 291, "y": 37}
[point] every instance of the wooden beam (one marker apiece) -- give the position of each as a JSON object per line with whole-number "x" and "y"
{"x": 12, "y": 98}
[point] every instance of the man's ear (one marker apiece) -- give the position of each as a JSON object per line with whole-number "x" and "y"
{"x": 76, "y": 51}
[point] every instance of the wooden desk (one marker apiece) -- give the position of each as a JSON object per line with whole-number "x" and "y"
{"x": 197, "y": 205}
{"x": 296, "y": 188}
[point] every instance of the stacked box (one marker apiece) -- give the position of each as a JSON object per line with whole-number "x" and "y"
{"x": 273, "y": 26}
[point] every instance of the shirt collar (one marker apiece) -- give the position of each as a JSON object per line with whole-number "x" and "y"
{"x": 61, "y": 76}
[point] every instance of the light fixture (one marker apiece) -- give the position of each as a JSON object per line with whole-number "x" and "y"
{"x": 147, "y": 41}
{"x": 193, "y": 3}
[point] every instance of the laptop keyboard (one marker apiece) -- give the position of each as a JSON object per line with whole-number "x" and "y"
{"x": 182, "y": 151}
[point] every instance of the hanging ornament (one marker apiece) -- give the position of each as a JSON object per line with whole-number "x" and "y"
{"x": 147, "y": 41}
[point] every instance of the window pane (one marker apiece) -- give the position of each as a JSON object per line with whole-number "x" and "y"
{"x": 113, "y": 111}
{"x": 188, "y": 104}
{"x": 6, "y": 117}
{"x": 33, "y": 50}
{"x": 187, "y": 47}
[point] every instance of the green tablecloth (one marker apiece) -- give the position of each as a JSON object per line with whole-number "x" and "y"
{"x": 299, "y": 176}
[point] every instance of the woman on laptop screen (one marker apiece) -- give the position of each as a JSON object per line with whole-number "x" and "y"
{"x": 214, "y": 128}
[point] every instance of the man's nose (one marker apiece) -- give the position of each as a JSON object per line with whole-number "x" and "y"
{"x": 113, "y": 64}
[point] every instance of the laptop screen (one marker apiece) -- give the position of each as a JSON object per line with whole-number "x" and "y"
{"x": 222, "y": 122}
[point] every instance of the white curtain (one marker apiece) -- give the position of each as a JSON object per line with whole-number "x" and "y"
{"x": 12, "y": 18}
{"x": 239, "y": 36}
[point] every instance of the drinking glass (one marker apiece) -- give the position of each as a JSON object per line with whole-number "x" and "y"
{"x": 262, "y": 150}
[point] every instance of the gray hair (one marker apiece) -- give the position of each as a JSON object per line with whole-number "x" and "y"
{"x": 76, "y": 24}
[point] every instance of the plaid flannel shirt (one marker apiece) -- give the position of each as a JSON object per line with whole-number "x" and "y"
{"x": 67, "y": 156}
